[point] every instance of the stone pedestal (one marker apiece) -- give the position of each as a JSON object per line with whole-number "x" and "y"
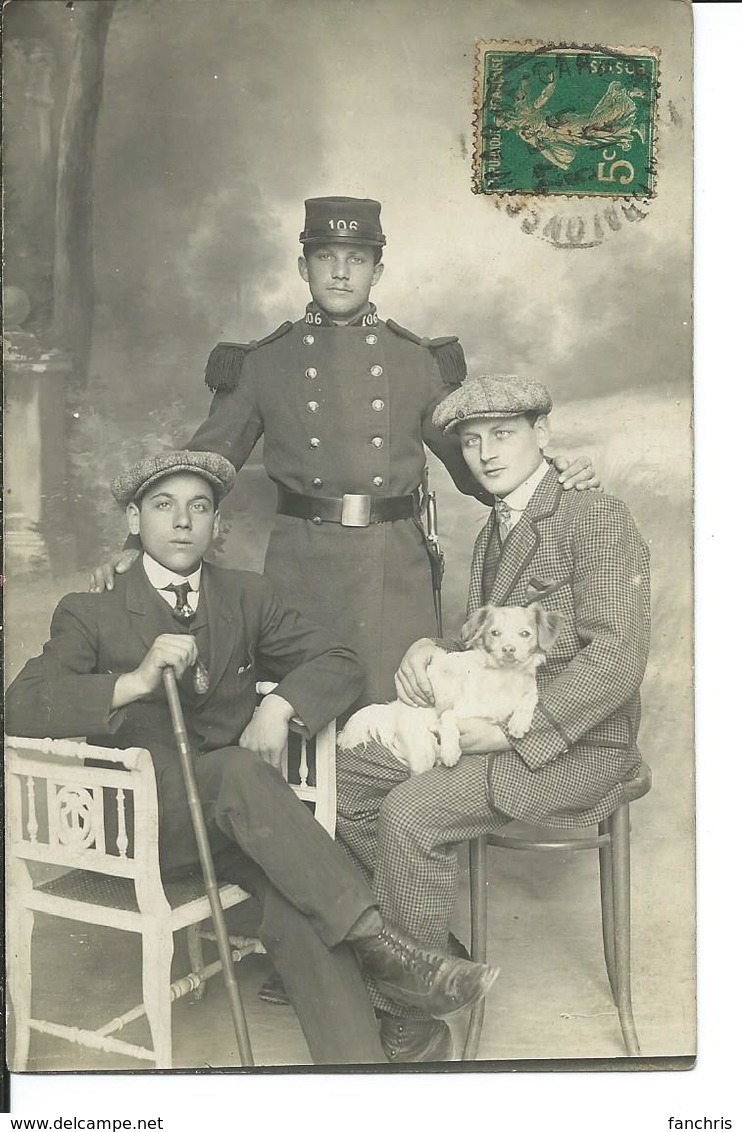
{"x": 37, "y": 528}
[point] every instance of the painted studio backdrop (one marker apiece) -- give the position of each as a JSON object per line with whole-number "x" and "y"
{"x": 158, "y": 153}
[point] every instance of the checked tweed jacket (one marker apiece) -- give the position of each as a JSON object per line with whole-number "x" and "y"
{"x": 579, "y": 553}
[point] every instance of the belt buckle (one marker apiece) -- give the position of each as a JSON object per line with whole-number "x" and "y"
{"x": 356, "y": 511}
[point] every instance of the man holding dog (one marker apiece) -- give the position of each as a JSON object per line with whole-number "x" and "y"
{"x": 100, "y": 675}
{"x": 578, "y": 554}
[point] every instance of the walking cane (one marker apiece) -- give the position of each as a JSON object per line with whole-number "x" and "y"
{"x": 207, "y": 865}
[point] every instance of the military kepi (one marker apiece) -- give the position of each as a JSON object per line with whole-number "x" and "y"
{"x": 342, "y": 218}
{"x": 492, "y": 396}
{"x": 130, "y": 486}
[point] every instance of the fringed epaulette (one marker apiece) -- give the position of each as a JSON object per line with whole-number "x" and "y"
{"x": 225, "y": 362}
{"x": 447, "y": 352}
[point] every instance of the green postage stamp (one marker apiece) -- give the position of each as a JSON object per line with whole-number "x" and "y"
{"x": 564, "y": 119}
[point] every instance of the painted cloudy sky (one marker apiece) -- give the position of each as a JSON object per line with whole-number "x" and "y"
{"x": 220, "y": 116}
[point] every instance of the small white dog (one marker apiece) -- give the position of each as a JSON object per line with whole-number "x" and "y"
{"x": 494, "y": 678}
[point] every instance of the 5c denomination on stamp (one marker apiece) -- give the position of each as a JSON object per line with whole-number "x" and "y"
{"x": 565, "y": 119}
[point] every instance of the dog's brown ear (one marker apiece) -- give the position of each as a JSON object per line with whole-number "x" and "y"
{"x": 548, "y": 626}
{"x": 473, "y": 626}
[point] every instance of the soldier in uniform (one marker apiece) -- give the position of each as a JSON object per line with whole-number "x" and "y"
{"x": 344, "y": 401}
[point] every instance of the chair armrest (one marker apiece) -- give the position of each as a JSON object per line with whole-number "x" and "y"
{"x": 130, "y": 757}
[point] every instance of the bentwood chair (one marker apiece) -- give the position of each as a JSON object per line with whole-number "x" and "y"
{"x": 56, "y": 817}
{"x": 612, "y": 840}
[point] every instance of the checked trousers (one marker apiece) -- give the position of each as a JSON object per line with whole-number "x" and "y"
{"x": 402, "y": 832}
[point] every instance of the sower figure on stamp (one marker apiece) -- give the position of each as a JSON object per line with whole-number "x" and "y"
{"x": 100, "y": 675}
{"x": 578, "y": 554}
{"x": 344, "y": 402}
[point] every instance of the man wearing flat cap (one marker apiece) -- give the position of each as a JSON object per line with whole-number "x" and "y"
{"x": 343, "y": 400}
{"x": 576, "y": 553}
{"x": 100, "y": 675}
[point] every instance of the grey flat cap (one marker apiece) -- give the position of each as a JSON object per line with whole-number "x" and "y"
{"x": 492, "y": 395}
{"x": 131, "y": 484}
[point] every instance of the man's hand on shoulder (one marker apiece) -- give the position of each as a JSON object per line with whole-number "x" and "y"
{"x": 411, "y": 679}
{"x": 576, "y": 472}
{"x": 170, "y": 650}
{"x": 104, "y": 576}
{"x": 267, "y": 733}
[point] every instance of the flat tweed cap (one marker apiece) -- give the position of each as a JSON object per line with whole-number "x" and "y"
{"x": 492, "y": 395}
{"x": 131, "y": 484}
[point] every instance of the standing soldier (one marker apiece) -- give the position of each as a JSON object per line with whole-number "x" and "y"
{"x": 344, "y": 402}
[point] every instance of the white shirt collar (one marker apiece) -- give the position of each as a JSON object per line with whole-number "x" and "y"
{"x": 519, "y": 499}
{"x": 160, "y": 577}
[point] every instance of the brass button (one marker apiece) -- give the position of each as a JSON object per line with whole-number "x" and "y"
{"x": 377, "y": 481}
{"x": 316, "y": 519}
{"x": 377, "y": 441}
{"x": 310, "y": 372}
{"x": 372, "y": 339}
{"x": 317, "y": 482}
{"x": 312, "y": 406}
{"x": 314, "y": 442}
{"x": 377, "y": 405}
{"x": 376, "y": 371}
{"x": 308, "y": 339}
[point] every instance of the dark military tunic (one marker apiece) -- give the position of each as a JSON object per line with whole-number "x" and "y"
{"x": 344, "y": 409}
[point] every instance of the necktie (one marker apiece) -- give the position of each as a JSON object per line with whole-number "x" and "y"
{"x": 491, "y": 559}
{"x": 182, "y": 611}
{"x": 185, "y": 615}
{"x": 504, "y": 518}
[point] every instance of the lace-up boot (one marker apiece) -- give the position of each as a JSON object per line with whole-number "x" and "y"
{"x": 405, "y": 1039}
{"x": 413, "y": 975}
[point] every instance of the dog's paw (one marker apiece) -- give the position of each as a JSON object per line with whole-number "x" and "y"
{"x": 450, "y": 756}
{"x": 448, "y": 736}
{"x": 519, "y": 724}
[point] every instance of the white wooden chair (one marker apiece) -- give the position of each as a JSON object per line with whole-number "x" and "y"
{"x": 55, "y": 816}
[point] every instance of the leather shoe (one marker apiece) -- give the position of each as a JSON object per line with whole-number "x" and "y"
{"x": 407, "y": 1039}
{"x": 417, "y": 976}
{"x": 273, "y": 991}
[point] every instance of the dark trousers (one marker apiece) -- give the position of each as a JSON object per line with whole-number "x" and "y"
{"x": 265, "y": 839}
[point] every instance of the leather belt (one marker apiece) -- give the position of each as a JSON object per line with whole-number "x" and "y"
{"x": 348, "y": 510}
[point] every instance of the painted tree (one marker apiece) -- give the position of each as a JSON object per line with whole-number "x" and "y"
{"x": 73, "y": 253}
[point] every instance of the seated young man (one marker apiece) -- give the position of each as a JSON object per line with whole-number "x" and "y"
{"x": 578, "y": 553}
{"x": 100, "y": 675}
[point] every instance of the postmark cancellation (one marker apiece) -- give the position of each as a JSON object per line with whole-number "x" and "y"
{"x": 565, "y": 119}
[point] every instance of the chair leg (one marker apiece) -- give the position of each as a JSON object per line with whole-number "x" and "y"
{"x": 478, "y": 915}
{"x": 605, "y": 859}
{"x": 196, "y": 959}
{"x": 157, "y": 957}
{"x": 20, "y": 926}
{"x": 620, "y": 837}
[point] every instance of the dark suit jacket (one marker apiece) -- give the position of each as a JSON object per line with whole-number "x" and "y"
{"x": 579, "y": 553}
{"x": 240, "y": 621}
